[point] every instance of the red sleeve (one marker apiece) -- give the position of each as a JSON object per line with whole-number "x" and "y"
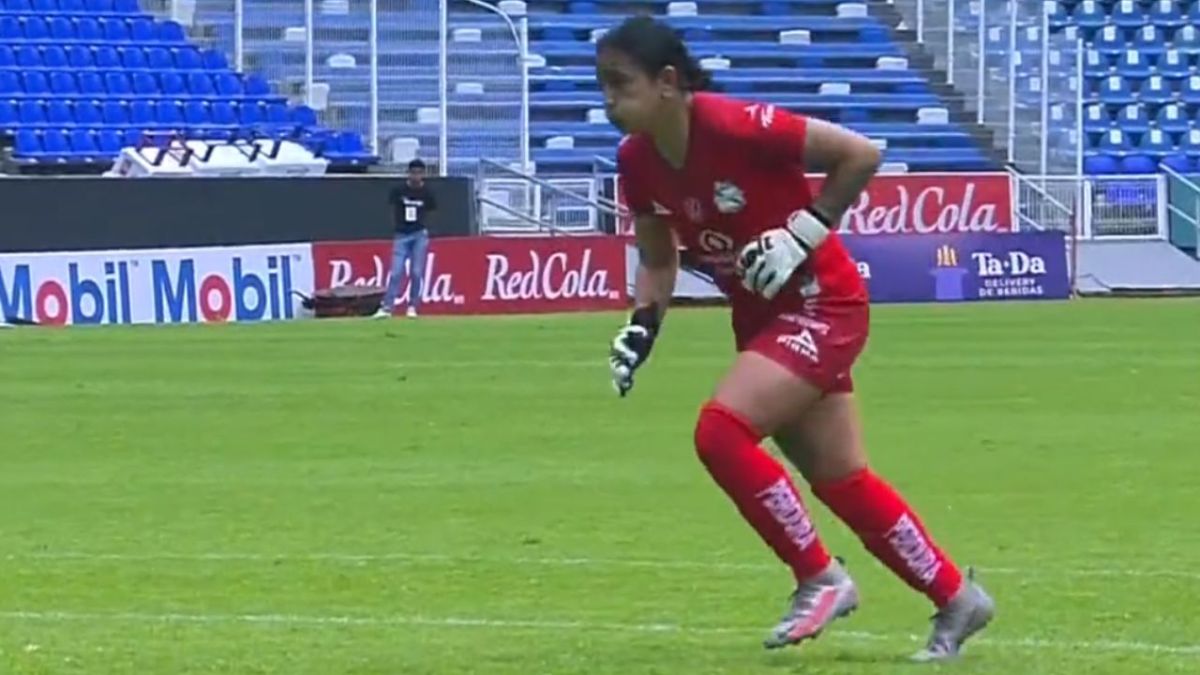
{"x": 773, "y": 131}
{"x": 631, "y": 185}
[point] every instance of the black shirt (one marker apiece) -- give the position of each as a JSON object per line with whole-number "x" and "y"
{"x": 410, "y": 205}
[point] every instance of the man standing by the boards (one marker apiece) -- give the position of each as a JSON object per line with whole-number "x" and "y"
{"x": 411, "y": 202}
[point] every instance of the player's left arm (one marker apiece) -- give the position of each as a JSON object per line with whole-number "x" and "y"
{"x": 849, "y": 161}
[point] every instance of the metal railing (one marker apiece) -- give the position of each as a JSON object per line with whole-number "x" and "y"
{"x": 1020, "y": 79}
{"x": 512, "y": 202}
{"x": 446, "y": 80}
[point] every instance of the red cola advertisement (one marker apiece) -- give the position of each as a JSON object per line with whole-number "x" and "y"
{"x": 922, "y": 203}
{"x": 491, "y": 275}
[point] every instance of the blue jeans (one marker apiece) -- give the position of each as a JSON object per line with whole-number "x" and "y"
{"x": 408, "y": 250}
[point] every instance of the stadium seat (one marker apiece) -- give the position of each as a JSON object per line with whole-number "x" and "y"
{"x": 109, "y": 141}
{"x": 1096, "y": 119}
{"x": 1187, "y": 40}
{"x": 1166, "y": 14}
{"x": 1133, "y": 119}
{"x": 1133, "y": 64}
{"x": 1150, "y": 40}
{"x": 1174, "y": 64}
{"x": 1128, "y": 14}
{"x": 1109, "y": 40}
{"x": 9, "y": 120}
{"x": 1173, "y": 118}
{"x": 1090, "y": 14}
{"x": 1156, "y": 90}
{"x": 1114, "y": 142}
{"x": 114, "y": 114}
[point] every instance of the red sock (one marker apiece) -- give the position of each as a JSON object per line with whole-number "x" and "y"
{"x": 891, "y": 531}
{"x": 761, "y": 489}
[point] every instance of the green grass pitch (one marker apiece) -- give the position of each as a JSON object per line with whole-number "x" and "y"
{"x": 453, "y": 496}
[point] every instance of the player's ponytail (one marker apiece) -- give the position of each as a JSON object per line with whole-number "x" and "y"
{"x": 654, "y": 45}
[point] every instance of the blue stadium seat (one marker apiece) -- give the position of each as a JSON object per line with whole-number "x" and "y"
{"x": 9, "y": 120}
{"x": 62, "y": 29}
{"x": 1179, "y": 163}
{"x": 109, "y": 141}
{"x": 54, "y": 57}
{"x": 171, "y": 32}
{"x": 1100, "y": 165}
{"x": 10, "y": 29}
{"x": 62, "y": 83}
{"x": 199, "y": 84}
{"x": 1133, "y": 119}
{"x": 28, "y": 144}
{"x": 88, "y": 114}
{"x": 145, "y": 84}
{"x": 250, "y": 114}
{"x": 1150, "y": 40}
{"x": 91, "y": 84}
{"x": 223, "y": 114}
{"x": 1095, "y": 64}
{"x": 59, "y": 114}
{"x": 114, "y": 114}
{"x": 1156, "y": 89}
{"x": 99, "y": 6}
{"x": 1128, "y": 14}
{"x": 188, "y": 58}
{"x": 1132, "y": 63}
{"x": 1115, "y": 142}
{"x": 80, "y": 57}
{"x": 1191, "y": 90}
{"x": 126, "y": 7}
{"x": 141, "y": 114}
{"x": 107, "y": 58}
{"x": 36, "y": 83}
{"x": 229, "y": 86}
{"x": 29, "y": 57}
{"x": 173, "y": 84}
{"x": 1096, "y": 119}
{"x": 1187, "y": 40}
{"x": 117, "y": 84}
{"x": 1174, "y": 64}
{"x": 160, "y": 59}
{"x": 1109, "y": 40}
{"x": 143, "y": 31}
{"x": 1138, "y": 164}
{"x": 168, "y": 114}
{"x": 133, "y": 58}
{"x": 10, "y": 84}
{"x": 32, "y": 113}
{"x": 1166, "y": 14}
{"x": 7, "y": 57}
{"x": 115, "y": 30}
{"x": 214, "y": 60}
{"x": 88, "y": 30}
{"x": 21, "y": 6}
{"x": 35, "y": 29}
{"x": 1090, "y": 14}
{"x": 1173, "y": 118}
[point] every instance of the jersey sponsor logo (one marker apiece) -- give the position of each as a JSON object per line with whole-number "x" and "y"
{"x": 728, "y": 197}
{"x": 715, "y": 242}
{"x": 763, "y": 114}
{"x": 801, "y": 343}
{"x": 808, "y": 322}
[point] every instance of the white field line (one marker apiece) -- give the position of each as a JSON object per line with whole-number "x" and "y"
{"x": 439, "y": 558}
{"x": 292, "y": 620}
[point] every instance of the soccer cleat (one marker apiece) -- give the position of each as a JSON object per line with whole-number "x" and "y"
{"x": 381, "y": 313}
{"x": 967, "y": 613}
{"x": 816, "y": 603}
{"x": 411, "y": 313}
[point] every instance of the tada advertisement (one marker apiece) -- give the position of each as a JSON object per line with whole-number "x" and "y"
{"x": 248, "y": 283}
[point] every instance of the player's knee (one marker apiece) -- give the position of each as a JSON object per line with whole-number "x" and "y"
{"x": 721, "y": 432}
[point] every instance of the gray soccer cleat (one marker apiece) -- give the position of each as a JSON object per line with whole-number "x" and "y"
{"x": 967, "y": 613}
{"x": 815, "y": 604}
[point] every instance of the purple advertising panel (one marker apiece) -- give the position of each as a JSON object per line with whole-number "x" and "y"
{"x": 958, "y": 267}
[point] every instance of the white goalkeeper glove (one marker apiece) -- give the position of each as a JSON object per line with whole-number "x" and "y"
{"x": 767, "y": 262}
{"x": 631, "y": 347}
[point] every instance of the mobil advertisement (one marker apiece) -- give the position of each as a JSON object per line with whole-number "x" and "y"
{"x": 490, "y": 275}
{"x": 960, "y": 267}
{"x": 920, "y": 204}
{"x": 195, "y": 285}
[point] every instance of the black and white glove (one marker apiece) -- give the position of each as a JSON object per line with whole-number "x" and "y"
{"x": 631, "y": 347}
{"x": 767, "y": 262}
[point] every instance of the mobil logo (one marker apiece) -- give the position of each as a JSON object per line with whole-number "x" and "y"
{"x": 215, "y": 288}
{"x": 250, "y": 283}
{"x": 77, "y": 292}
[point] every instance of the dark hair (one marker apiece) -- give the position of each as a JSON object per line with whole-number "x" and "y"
{"x": 654, "y": 45}
{"x": 416, "y": 163}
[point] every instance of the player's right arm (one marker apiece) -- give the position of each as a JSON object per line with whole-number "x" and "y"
{"x": 654, "y": 280}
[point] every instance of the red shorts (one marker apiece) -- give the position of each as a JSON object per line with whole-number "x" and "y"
{"x": 819, "y": 343}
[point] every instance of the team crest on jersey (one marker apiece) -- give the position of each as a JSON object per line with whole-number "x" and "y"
{"x": 693, "y": 209}
{"x": 728, "y": 197}
{"x": 715, "y": 242}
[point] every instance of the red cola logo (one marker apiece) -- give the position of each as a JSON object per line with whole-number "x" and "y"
{"x": 921, "y": 206}
{"x": 551, "y": 278}
{"x": 435, "y": 288}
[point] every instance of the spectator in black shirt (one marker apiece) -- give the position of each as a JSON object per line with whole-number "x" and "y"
{"x": 412, "y": 202}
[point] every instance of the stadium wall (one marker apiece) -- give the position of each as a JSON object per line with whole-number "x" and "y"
{"x": 209, "y": 250}
{"x": 90, "y": 214}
